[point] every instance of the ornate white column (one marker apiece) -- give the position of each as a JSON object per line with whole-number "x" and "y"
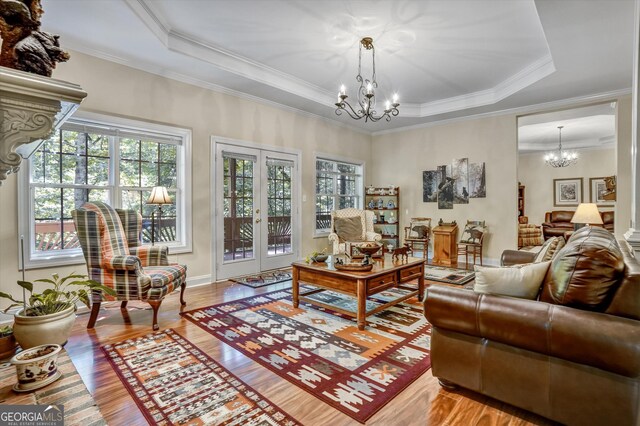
{"x": 32, "y": 107}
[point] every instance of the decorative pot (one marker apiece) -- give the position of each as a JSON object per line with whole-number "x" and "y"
{"x": 7, "y": 346}
{"x": 44, "y": 329}
{"x": 36, "y": 367}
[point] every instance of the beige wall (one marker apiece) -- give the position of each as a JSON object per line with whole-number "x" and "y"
{"x": 538, "y": 179}
{"x": 399, "y": 158}
{"x": 623, "y": 160}
{"x": 118, "y": 90}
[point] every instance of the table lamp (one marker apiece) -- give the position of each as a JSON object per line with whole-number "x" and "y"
{"x": 159, "y": 196}
{"x": 586, "y": 214}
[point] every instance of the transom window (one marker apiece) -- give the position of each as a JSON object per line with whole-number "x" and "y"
{"x": 117, "y": 164}
{"x": 338, "y": 186}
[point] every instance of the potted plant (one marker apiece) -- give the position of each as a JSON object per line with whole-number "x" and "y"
{"x": 7, "y": 342}
{"x": 47, "y": 317}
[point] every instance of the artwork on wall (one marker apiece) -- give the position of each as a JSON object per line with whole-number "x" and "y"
{"x": 454, "y": 183}
{"x": 599, "y": 192}
{"x": 460, "y": 175}
{"x": 477, "y": 186}
{"x": 567, "y": 192}
{"x": 430, "y": 182}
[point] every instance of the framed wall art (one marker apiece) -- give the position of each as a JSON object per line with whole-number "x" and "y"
{"x": 598, "y": 192}
{"x": 567, "y": 192}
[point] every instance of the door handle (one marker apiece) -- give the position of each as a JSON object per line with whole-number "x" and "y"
{"x": 257, "y": 210}
{"x": 258, "y": 220}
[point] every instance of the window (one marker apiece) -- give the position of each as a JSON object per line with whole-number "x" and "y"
{"x": 101, "y": 159}
{"x": 338, "y": 186}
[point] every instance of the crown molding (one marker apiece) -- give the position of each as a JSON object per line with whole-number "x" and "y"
{"x": 524, "y": 110}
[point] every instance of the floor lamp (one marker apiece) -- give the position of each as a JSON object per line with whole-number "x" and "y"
{"x": 159, "y": 197}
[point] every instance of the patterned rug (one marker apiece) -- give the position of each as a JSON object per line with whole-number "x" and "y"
{"x": 69, "y": 391}
{"x": 174, "y": 383}
{"x": 264, "y": 278}
{"x": 448, "y": 275}
{"x": 322, "y": 351}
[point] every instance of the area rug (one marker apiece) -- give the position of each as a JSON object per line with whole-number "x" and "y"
{"x": 448, "y": 275}
{"x": 174, "y": 383}
{"x": 264, "y": 278}
{"x": 322, "y": 351}
{"x": 69, "y": 391}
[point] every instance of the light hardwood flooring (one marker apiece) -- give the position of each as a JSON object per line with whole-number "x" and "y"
{"x": 424, "y": 402}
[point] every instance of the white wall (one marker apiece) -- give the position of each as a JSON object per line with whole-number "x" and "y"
{"x": 399, "y": 158}
{"x": 122, "y": 91}
{"x": 538, "y": 178}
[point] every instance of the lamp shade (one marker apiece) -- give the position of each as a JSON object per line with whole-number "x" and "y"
{"x": 587, "y": 213}
{"x": 159, "y": 195}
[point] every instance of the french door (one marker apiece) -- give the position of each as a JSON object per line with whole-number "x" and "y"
{"x": 257, "y": 210}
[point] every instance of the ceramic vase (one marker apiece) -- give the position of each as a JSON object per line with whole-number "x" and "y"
{"x": 36, "y": 367}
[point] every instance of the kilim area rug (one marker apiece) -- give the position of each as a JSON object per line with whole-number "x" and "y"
{"x": 69, "y": 391}
{"x": 264, "y": 278}
{"x": 322, "y": 351}
{"x": 448, "y": 275}
{"x": 174, "y": 383}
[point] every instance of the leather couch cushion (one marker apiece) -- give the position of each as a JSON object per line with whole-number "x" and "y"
{"x": 349, "y": 228}
{"x": 521, "y": 281}
{"x": 561, "y": 216}
{"x": 586, "y": 272}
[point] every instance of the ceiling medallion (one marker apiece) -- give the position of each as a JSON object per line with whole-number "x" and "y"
{"x": 366, "y": 93}
{"x": 560, "y": 158}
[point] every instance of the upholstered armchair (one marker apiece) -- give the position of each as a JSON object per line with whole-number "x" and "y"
{"x": 351, "y": 225}
{"x": 110, "y": 241}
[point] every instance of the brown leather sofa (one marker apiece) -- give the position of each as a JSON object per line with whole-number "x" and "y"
{"x": 572, "y": 356}
{"x": 557, "y": 222}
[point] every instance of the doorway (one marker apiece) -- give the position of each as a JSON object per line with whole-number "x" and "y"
{"x": 256, "y": 209}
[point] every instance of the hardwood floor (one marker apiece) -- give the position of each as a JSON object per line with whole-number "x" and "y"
{"x": 424, "y": 402}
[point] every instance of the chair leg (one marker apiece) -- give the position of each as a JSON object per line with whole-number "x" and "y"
{"x": 95, "y": 308}
{"x": 155, "y": 305}
{"x": 123, "y": 305}
{"x": 183, "y": 286}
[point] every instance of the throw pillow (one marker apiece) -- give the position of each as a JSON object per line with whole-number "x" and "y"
{"x": 523, "y": 281}
{"x": 349, "y": 228}
{"x": 472, "y": 233}
{"x": 549, "y": 249}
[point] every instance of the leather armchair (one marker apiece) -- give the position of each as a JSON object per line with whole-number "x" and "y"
{"x": 557, "y": 222}
{"x": 565, "y": 362}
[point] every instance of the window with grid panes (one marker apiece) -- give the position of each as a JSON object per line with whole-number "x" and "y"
{"x": 92, "y": 162}
{"x": 338, "y": 186}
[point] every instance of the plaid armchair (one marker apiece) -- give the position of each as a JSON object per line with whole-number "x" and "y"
{"x": 110, "y": 242}
{"x": 366, "y": 228}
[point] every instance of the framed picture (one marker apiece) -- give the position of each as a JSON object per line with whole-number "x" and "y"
{"x": 598, "y": 191}
{"x": 567, "y": 192}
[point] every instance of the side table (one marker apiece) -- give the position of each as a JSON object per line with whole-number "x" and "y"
{"x": 445, "y": 245}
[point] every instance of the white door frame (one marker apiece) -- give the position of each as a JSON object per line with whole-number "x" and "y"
{"x": 215, "y": 210}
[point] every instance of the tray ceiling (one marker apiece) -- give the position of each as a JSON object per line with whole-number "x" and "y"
{"x": 444, "y": 58}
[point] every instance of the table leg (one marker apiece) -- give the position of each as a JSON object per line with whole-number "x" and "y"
{"x": 421, "y": 284}
{"x": 295, "y": 287}
{"x": 362, "y": 304}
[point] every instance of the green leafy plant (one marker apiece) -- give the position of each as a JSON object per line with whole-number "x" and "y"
{"x": 66, "y": 292}
{"x": 6, "y": 330}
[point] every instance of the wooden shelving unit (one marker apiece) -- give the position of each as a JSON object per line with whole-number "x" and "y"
{"x": 520, "y": 200}
{"x": 390, "y": 231}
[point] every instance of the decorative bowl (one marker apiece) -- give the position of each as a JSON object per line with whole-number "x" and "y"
{"x": 370, "y": 250}
{"x": 353, "y": 267}
{"x": 36, "y": 367}
{"x": 319, "y": 258}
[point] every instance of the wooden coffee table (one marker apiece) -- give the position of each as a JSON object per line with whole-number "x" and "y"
{"x": 384, "y": 275}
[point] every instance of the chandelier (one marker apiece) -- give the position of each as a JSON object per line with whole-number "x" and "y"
{"x": 366, "y": 107}
{"x": 560, "y": 158}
